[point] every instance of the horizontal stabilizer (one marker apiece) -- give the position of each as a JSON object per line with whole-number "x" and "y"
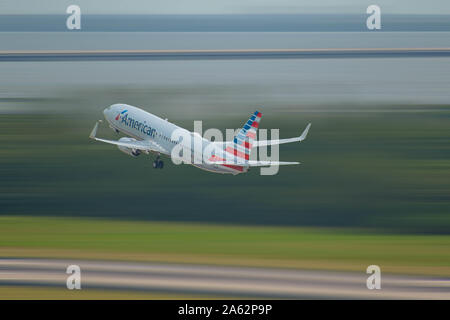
{"x": 281, "y": 141}
{"x": 252, "y": 163}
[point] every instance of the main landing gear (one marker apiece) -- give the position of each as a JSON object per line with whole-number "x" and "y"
{"x": 158, "y": 164}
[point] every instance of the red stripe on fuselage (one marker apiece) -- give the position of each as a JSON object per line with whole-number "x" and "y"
{"x": 216, "y": 158}
{"x": 238, "y": 168}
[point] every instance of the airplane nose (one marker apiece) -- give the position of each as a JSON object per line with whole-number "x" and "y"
{"x": 107, "y": 112}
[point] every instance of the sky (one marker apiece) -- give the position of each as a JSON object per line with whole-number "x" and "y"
{"x": 223, "y": 6}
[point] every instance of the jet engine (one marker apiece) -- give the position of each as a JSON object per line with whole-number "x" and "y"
{"x": 130, "y": 151}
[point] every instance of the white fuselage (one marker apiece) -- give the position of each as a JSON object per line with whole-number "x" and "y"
{"x": 143, "y": 125}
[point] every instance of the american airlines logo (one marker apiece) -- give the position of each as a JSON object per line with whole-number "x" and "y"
{"x": 118, "y": 116}
{"x": 135, "y": 124}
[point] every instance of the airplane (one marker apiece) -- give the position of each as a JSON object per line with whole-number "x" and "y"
{"x": 149, "y": 133}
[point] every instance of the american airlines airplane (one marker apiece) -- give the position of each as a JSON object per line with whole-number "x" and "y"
{"x": 149, "y": 133}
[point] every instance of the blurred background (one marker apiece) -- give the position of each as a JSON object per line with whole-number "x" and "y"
{"x": 373, "y": 186}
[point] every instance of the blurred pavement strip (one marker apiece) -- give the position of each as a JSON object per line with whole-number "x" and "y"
{"x": 204, "y": 54}
{"x": 234, "y": 281}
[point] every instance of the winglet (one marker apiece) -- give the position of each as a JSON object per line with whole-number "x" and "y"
{"x": 94, "y": 131}
{"x": 305, "y": 132}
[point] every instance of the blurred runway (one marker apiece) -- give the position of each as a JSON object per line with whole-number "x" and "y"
{"x": 89, "y": 55}
{"x": 220, "y": 280}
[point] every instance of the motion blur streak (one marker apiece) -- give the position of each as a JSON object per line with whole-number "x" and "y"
{"x": 221, "y": 280}
{"x": 76, "y": 55}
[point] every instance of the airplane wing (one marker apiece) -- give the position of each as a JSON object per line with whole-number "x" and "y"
{"x": 281, "y": 141}
{"x": 145, "y": 145}
{"x": 269, "y": 163}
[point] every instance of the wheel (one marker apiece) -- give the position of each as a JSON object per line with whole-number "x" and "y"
{"x": 160, "y": 164}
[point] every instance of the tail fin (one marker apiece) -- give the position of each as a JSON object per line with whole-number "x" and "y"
{"x": 243, "y": 141}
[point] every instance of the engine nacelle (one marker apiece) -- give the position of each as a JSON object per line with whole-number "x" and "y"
{"x": 130, "y": 151}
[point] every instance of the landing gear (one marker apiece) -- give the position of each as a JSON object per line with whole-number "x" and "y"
{"x": 158, "y": 164}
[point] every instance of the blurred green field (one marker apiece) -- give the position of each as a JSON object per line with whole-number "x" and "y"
{"x": 288, "y": 247}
